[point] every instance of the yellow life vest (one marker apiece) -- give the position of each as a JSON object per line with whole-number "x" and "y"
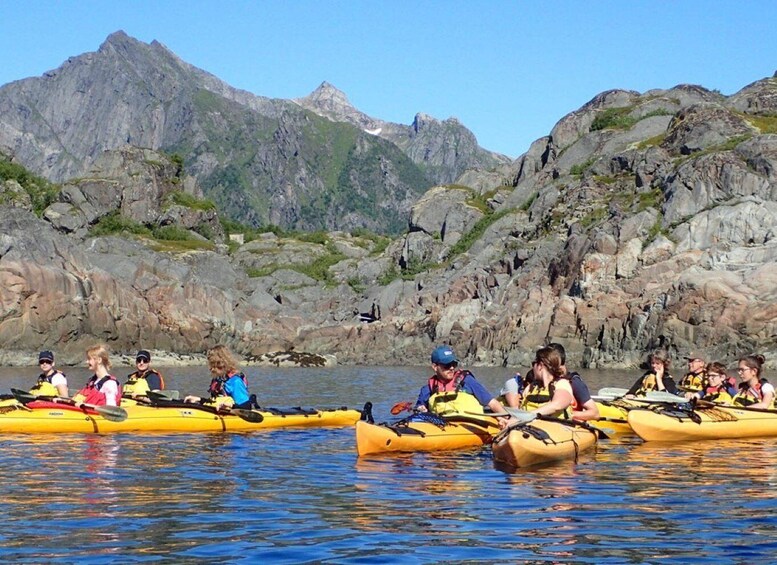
{"x": 535, "y": 395}
{"x": 719, "y": 397}
{"x": 44, "y": 388}
{"x": 452, "y": 402}
{"x": 748, "y": 395}
{"x": 648, "y": 384}
{"x": 135, "y": 386}
{"x": 693, "y": 382}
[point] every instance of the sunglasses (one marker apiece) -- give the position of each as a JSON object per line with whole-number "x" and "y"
{"x": 45, "y": 362}
{"x": 141, "y": 360}
{"x": 448, "y": 366}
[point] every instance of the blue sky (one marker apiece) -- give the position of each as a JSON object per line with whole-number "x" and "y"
{"x": 507, "y": 70}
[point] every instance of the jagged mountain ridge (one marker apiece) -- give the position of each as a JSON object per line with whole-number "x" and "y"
{"x": 439, "y": 146}
{"x": 262, "y": 160}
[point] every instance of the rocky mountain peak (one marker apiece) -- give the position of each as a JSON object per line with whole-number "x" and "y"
{"x": 118, "y": 42}
{"x": 329, "y": 95}
{"x": 332, "y": 103}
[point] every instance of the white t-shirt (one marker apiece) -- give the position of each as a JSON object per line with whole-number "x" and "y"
{"x": 111, "y": 391}
{"x": 58, "y": 379}
{"x": 511, "y": 385}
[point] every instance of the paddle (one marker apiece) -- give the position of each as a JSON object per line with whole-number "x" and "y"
{"x": 613, "y": 392}
{"x": 169, "y": 394}
{"x": 165, "y": 394}
{"x": 600, "y": 433}
{"x": 522, "y": 417}
{"x": 401, "y": 407}
{"x": 247, "y": 415}
{"x": 112, "y": 413}
{"x": 651, "y": 396}
{"x": 162, "y": 401}
{"x": 697, "y": 403}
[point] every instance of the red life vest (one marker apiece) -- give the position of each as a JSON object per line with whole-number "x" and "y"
{"x": 216, "y": 387}
{"x": 454, "y": 385}
{"x": 92, "y": 394}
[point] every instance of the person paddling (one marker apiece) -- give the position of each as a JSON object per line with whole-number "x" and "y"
{"x": 51, "y": 381}
{"x": 657, "y": 378}
{"x": 144, "y": 379}
{"x": 452, "y": 390}
{"x": 228, "y": 387}
{"x": 102, "y": 389}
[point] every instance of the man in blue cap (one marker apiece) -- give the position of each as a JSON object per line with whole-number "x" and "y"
{"x": 451, "y": 390}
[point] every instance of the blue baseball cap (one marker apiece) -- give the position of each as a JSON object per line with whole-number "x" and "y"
{"x": 443, "y": 355}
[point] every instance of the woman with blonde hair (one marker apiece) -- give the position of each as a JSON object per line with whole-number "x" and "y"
{"x": 228, "y": 387}
{"x": 102, "y": 389}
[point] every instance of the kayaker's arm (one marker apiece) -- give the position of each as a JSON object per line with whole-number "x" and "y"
{"x": 561, "y": 400}
{"x": 423, "y": 398}
{"x": 495, "y": 406}
{"x": 590, "y": 411}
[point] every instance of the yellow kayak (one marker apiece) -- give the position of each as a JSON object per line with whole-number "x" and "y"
{"x": 425, "y": 433}
{"x": 541, "y": 441}
{"x": 47, "y": 417}
{"x": 707, "y": 422}
{"x": 613, "y": 416}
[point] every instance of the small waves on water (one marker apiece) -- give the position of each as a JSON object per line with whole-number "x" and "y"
{"x": 303, "y": 496}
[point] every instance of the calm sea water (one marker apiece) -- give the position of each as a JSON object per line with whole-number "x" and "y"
{"x": 293, "y": 496}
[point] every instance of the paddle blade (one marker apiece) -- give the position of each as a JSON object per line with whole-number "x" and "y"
{"x": 112, "y": 413}
{"x": 164, "y": 394}
{"x": 247, "y": 415}
{"x": 23, "y": 396}
{"x": 663, "y": 396}
{"x": 519, "y": 416}
{"x": 613, "y": 392}
{"x": 401, "y": 407}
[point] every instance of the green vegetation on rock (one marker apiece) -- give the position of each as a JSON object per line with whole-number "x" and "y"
{"x": 318, "y": 269}
{"x": 114, "y": 224}
{"x": 189, "y": 201}
{"x": 765, "y": 123}
{"x": 621, "y": 118}
{"x": 42, "y": 192}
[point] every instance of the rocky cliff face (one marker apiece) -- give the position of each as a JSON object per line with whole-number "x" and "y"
{"x": 641, "y": 220}
{"x": 262, "y": 161}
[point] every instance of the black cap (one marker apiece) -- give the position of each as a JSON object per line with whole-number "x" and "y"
{"x": 46, "y": 356}
{"x": 143, "y": 354}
